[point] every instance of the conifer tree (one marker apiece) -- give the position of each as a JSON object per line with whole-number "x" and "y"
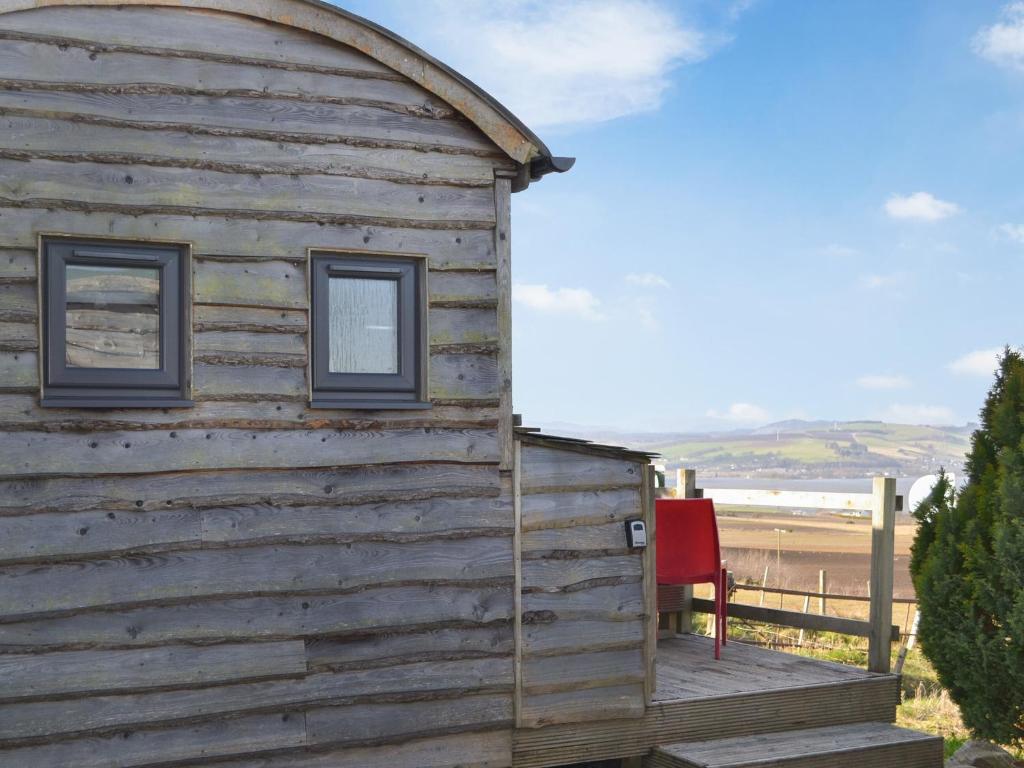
{"x": 967, "y": 563}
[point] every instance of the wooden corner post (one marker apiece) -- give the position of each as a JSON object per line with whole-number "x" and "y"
{"x": 686, "y": 488}
{"x": 883, "y": 533}
{"x": 650, "y": 584}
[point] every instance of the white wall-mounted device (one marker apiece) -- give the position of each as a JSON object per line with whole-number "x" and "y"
{"x": 636, "y": 534}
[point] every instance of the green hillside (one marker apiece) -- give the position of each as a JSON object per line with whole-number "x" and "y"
{"x": 816, "y": 449}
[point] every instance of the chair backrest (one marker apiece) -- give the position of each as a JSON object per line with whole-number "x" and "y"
{"x": 687, "y": 541}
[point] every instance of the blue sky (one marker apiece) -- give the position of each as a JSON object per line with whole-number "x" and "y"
{"x": 780, "y": 209}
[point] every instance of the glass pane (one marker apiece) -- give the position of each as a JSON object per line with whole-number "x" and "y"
{"x": 363, "y": 325}
{"x": 113, "y": 317}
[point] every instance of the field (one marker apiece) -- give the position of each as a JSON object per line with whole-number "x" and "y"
{"x": 840, "y": 545}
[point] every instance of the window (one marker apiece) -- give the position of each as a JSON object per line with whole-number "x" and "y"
{"x": 114, "y": 324}
{"x": 368, "y": 331}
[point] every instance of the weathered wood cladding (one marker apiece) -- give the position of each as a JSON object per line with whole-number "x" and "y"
{"x": 250, "y": 580}
{"x": 583, "y": 615}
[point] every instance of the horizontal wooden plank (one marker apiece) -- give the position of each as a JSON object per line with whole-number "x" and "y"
{"x": 463, "y": 377}
{"x": 581, "y": 538}
{"x": 566, "y": 636}
{"x": 566, "y": 510}
{"x": 140, "y": 185}
{"x": 22, "y": 411}
{"x": 194, "y": 32}
{"x": 263, "y": 284}
{"x": 376, "y": 723}
{"x": 261, "y": 117}
{"x": 212, "y": 381}
{"x": 549, "y": 468}
{"x": 800, "y": 499}
{"x": 63, "y": 453}
{"x": 17, "y": 263}
{"x": 575, "y": 671}
{"x": 452, "y": 377}
{"x": 617, "y": 602}
{"x": 201, "y": 490}
{"x": 583, "y": 705}
{"x": 246, "y": 346}
{"x": 282, "y": 284}
{"x": 263, "y": 239}
{"x": 28, "y": 590}
{"x": 76, "y": 534}
{"x": 809, "y": 621}
{"x": 41, "y": 137}
{"x": 135, "y": 749}
{"x": 67, "y": 535}
{"x": 54, "y": 61}
{"x": 252, "y": 319}
{"x": 424, "y": 518}
{"x": 18, "y": 336}
{"x": 18, "y": 301}
{"x": 398, "y": 648}
{"x": 463, "y": 326}
{"x": 116, "y": 712}
{"x": 488, "y": 749}
{"x": 88, "y": 672}
{"x": 554, "y": 575}
{"x": 464, "y": 287}
{"x": 19, "y": 371}
{"x": 270, "y": 618}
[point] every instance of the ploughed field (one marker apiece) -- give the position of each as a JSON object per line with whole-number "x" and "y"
{"x": 842, "y": 546}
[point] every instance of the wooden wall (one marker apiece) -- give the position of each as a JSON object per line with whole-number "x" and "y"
{"x": 249, "y": 580}
{"x": 583, "y": 611}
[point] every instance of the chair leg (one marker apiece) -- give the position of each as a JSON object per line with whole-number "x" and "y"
{"x": 725, "y": 606}
{"x": 718, "y": 618}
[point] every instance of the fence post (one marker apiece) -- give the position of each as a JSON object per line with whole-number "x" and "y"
{"x": 822, "y": 589}
{"x": 883, "y": 532}
{"x": 686, "y": 488}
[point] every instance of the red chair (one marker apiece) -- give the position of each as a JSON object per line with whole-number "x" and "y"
{"x": 688, "y": 552}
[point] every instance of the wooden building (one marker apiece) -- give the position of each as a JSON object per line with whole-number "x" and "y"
{"x": 262, "y": 499}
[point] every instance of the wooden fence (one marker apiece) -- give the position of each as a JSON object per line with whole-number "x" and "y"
{"x": 679, "y": 603}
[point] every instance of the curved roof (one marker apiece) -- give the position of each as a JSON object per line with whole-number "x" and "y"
{"x": 483, "y": 110}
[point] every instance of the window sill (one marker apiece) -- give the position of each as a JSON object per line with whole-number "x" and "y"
{"x": 114, "y": 403}
{"x": 371, "y": 405}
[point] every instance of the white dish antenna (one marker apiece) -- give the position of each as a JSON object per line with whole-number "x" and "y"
{"x": 922, "y": 487}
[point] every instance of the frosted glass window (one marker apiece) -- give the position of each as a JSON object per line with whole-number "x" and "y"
{"x": 112, "y": 317}
{"x": 363, "y": 325}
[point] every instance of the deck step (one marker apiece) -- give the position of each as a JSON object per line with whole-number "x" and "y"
{"x": 879, "y": 745}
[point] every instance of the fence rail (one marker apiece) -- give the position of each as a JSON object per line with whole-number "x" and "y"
{"x": 819, "y": 595}
{"x": 679, "y": 604}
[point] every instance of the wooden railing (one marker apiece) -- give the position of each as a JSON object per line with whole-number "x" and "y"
{"x": 882, "y": 503}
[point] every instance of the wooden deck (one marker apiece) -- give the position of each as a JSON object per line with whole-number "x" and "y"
{"x": 749, "y": 691}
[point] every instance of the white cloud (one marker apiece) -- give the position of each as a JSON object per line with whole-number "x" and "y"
{"x": 742, "y": 413}
{"x": 567, "y": 301}
{"x": 562, "y": 62}
{"x": 878, "y": 381}
{"x": 934, "y": 415}
{"x": 835, "y": 250}
{"x": 1003, "y": 42}
{"x": 1013, "y": 232}
{"x": 981, "y": 362}
{"x": 922, "y": 206}
{"x": 877, "y": 282}
{"x": 647, "y": 280}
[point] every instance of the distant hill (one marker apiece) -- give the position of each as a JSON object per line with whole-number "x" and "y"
{"x": 805, "y": 448}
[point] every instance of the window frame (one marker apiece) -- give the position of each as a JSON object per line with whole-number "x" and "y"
{"x": 406, "y": 389}
{"x": 63, "y": 386}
